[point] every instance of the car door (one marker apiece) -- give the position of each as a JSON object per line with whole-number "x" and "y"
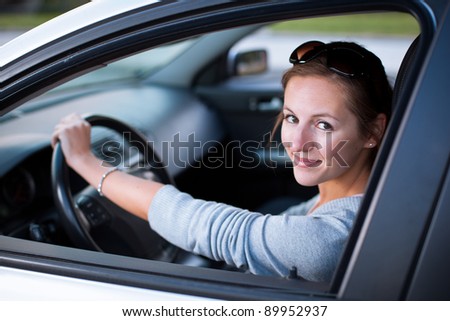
{"x": 399, "y": 234}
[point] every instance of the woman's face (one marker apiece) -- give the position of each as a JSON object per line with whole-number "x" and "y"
{"x": 319, "y": 132}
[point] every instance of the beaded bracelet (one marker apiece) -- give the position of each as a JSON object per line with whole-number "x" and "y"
{"x": 100, "y": 185}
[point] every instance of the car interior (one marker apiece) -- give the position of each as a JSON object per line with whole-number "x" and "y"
{"x": 197, "y": 113}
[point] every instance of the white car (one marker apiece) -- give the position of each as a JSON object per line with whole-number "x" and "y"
{"x": 188, "y": 77}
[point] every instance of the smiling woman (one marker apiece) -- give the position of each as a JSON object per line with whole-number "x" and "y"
{"x": 324, "y": 94}
{"x": 337, "y": 104}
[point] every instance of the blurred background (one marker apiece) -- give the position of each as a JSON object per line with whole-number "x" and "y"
{"x": 38, "y": 6}
{"x": 387, "y": 34}
{"x": 26, "y": 14}
{"x": 18, "y": 16}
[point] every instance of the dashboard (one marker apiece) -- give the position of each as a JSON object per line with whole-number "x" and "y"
{"x": 27, "y": 209}
{"x": 26, "y": 201}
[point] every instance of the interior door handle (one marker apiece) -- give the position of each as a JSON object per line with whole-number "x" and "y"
{"x": 266, "y": 104}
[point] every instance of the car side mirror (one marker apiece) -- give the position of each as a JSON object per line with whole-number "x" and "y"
{"x": 248, "y": 62}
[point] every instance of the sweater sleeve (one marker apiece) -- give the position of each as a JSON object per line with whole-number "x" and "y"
{"x": 263, "y": 244}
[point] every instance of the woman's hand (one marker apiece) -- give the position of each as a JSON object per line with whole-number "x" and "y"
{"x": 134, "y": 194}
{"x": 74, "y": 135}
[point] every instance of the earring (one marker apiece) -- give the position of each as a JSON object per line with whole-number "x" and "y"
{"x": 370, "y": 144}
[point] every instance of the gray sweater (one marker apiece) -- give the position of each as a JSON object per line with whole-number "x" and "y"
{"x": 310, "y": 243}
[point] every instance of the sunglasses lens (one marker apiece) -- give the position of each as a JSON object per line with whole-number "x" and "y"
{"x": 297, "y": 56}
{"x": 343, "y": 61}
{"x": 346, "y": 62}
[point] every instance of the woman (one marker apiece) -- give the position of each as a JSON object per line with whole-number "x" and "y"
{"x": 336, "y": 106}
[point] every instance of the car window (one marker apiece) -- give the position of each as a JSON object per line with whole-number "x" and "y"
{"x": 388, "y": 35}
{"x": 135, "y": 67}
{"x": 131, "y": 69}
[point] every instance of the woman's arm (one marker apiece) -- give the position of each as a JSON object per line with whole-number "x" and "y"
{"x": 262, "y": 244}
{"x": 132, "y": 193}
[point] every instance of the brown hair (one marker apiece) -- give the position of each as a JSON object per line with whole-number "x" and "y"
{"x": 366, "y": 97}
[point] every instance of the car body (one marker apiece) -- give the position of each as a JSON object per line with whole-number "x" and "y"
{"x": 193, "y": 93}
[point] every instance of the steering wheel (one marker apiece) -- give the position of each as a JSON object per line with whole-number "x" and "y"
{"x": 93, "y": 222}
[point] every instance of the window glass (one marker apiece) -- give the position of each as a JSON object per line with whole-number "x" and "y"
{"x": 388, "y": 35}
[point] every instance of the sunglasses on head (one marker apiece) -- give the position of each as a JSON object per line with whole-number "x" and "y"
{"x": 342, "y": 60}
